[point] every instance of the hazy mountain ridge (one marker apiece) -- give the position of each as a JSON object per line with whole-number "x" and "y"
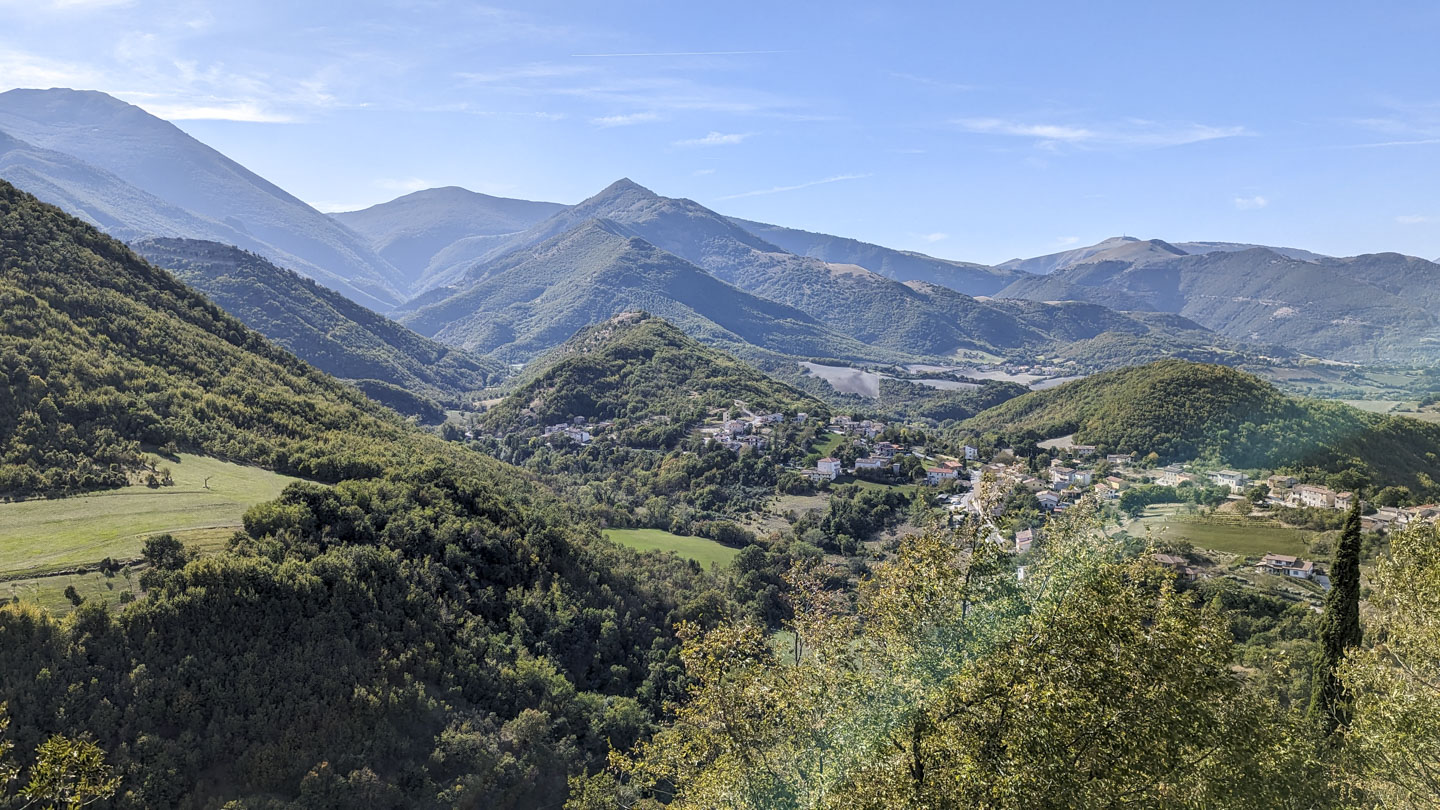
{"x": 918, "y": 318}
{"x": 414, "y": 232}
{"x": 1364, "y": 308}
{"x": 158, "y": 159}
{"x": 901, "y": 265}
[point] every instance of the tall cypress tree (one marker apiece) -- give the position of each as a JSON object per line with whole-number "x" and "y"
{"x": 1339, "y": 627}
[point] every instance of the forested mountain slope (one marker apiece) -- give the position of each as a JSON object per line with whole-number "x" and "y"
{"x": 322, "y": 327}
{"x": 1182, "y": 411}
{"x": 636, "y": 368}
{"x": 176, "y": 171}
{"x": 431, "y": 631}
{"x": 532, "y": 300}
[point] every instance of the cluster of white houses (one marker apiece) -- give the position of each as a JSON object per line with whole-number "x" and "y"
{"x": 738, "y": 434}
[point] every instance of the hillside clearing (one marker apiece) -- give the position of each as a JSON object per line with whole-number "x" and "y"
{"x": 42, "y": 536}
{"x": 703, "y": 551}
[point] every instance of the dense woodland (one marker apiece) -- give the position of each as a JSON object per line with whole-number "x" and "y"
{"x": 648, "y": 377}
{"x": 434, "y": 630}
{"x": 423, "y": 624}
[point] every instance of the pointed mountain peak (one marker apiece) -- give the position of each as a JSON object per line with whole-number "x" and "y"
{"x": 623, "y": 187}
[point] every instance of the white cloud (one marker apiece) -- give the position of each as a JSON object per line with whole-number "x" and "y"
{"x": 939, "y": 84}
{"x": 1415, "y": 219}
{"x": 1132, "y": 133}
{"x": 1251, "y": 203}
{"x": 248, "y": 111}
{"x": 625, "y": 120}
{"x": 406, "y": 184}
{"x": 779, "y": 189}
{"x": 702, "y": 172}
{"x": 1066, "y": 240}
{"x": 61, "y": 6}
{"x": 21, "y": 69}
{"x": 935, "y": 237}
{"x": 716, "y": 139}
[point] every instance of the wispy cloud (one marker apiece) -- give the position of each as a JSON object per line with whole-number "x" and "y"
{"x": 407, "y": 185}
{"x": 1133, "y": 133}
{"x": 938, "y": 84}
{"x": 716, "y": 139}
{"x": 1066, "y": 241}
{"x": 1384, "y": 144}
{"x": 625, "y": 120}
{"x": 702, "y": 172}
{"x": 1415, "y": 219}
{"x": 1251, "y": 203}
{"x": 247, "y": 111}
{"x": 934, "y": 237}
{"x": 673, "y": 53}
{"x": 781, "y": 189}
{"x": 22, "y": 69}
{"x": 531, "y": 71}
{"x": 53, "y": 6}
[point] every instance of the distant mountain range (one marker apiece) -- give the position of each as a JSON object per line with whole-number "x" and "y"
{"x": 322, "y": 327}
{"x": 512, "y": 278}
{"x": 566, "y": 265}
{"x": 137, "y": 176}
{"x": 524, "y": 303}
{"x": 1373, "y": 308}
{"x": 1136, "y": 251}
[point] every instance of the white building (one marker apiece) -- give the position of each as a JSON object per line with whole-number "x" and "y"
{"x": 828, "y": 467}
{"x": 1233, "y": 479}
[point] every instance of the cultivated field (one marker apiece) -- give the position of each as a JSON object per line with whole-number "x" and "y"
{"x": 44, "y": 536}
{"x": 705, "y": 552}
{"x": 1249, "y": 539}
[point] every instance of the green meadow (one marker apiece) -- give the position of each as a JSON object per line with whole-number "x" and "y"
{"x": 43, "y": 536}
{"x": 706, "y": 552}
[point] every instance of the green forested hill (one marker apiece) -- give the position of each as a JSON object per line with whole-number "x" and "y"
{"x": 324, "y": 328}
{"x": 1181, "y": 410}
{"x": 101, "y": 353}
{"x": 636, "y": 368}
{"x": 433, "y": 630}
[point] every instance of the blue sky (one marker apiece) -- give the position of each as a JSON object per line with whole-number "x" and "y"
{"x": 965, "y": 130}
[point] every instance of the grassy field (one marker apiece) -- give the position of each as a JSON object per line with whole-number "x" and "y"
{"x": 705, "y": 552}
{"x": 1247, "y": 540}
{"x": 827, "y": 442}
{"x": 49, "y": 592}
{"x": 42, "y": 536}
{"x": 908, "y": 489}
